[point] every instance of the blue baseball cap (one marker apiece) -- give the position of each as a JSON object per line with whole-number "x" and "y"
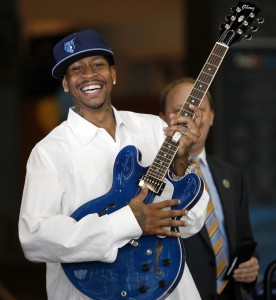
{"x": 77, "y": 46}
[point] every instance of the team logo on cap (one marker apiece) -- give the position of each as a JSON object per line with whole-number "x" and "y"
{"x": 70, "y": 46}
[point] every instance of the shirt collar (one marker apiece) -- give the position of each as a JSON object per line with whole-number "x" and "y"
{"x": 202, "y": 157}
{"x": 123, "y": 117}
{"x": 83, "y": 129}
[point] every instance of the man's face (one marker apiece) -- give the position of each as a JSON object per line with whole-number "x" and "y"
{"x": 176, "y": 98}
{"x": 90, "y": 80}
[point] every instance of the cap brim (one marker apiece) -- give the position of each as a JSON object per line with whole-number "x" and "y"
{"x": 59, "y": 69}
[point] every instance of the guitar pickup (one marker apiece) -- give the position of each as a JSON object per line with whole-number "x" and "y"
{"x": 153, "y": 184}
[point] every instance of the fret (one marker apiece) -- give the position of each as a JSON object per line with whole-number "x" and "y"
{"x": 169, "y": 144}
{"x": 220, "y": 49}
{"x": 192, "y": 100}
{"x": 197, "y": 94}
{"x": 165, "y": 154}
{"x": 186, "y": 111}
{"x": 163, "y": 159}
{"x": 157, "y": 174}
{"x": 201, "y": 86}
{"x": 217, "y": 54}
{"x": 214, "y": 61}
{"x": 209, "y": 69}
{"x": 159, "y": 163}
{"x": 205, "y": 78}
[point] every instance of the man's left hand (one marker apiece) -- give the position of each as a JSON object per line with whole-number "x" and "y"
{"x": 247, "y": 271}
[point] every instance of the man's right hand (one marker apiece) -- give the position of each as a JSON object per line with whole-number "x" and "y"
{"x": 153, "y": 218}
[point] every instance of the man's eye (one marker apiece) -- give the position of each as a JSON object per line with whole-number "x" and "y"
{"x": 98, "y": 65}
{"x": 76, "y": 68}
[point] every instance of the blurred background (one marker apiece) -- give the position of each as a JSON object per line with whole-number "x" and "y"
{"x": 155, "y": 42}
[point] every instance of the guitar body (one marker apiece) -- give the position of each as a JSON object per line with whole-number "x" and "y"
{"x": 147, "y": 268}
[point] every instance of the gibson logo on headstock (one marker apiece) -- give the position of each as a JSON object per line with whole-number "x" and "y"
{"x": 246, "y": 6}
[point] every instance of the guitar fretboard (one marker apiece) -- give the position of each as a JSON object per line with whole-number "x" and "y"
{"x": 157, "y": 171}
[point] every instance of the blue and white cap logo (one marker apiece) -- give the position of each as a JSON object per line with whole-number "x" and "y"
{"x": 70, "y": 46}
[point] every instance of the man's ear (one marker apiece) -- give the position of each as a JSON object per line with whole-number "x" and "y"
{"x": 212, "y": 118}
{"x": 113, "y": 74}
{"x": 161, "y": 115}
{"x": 64, "y": 84}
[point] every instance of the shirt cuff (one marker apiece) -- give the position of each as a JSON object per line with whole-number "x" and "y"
{"x": 124, "y": 226}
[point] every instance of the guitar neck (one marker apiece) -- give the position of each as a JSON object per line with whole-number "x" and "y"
{"x": 158, "y": 170}
{"x": 204, "y": 79}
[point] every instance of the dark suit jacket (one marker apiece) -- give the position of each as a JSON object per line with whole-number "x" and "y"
{"x": 231, "y": 187}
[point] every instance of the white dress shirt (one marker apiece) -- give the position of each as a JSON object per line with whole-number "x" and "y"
{"x": 72, "y": 165}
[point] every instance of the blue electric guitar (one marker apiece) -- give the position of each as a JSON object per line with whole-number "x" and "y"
{"x": 152, "y": 266}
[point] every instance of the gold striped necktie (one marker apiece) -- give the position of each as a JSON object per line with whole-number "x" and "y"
{"x": 214, "y": 233}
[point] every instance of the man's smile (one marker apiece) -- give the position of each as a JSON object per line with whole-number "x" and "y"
{"x": 92, "y": 88}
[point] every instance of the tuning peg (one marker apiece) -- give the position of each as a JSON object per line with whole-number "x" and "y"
{"x": 228, "y": 18}
{"x": 235, "y": 9}
{"x": 260, "y": 20}
{"x": 248, "y": 37}
{"x": 254, "y": 28}
{"x": 224, "y": 26}
{"x": 252, "y": 15}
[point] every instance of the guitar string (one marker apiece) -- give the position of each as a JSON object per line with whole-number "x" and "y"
{"x": 164, "y": 157}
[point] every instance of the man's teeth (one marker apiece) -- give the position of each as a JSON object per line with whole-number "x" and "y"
{"x": 91, "y": 88}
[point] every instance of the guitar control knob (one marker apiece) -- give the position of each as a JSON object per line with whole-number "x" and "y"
{"x": 143, "y": 289}
{"x": 146, "y": 267}
{"x": 166, "y": 262}
{"x": 162, "y": 283}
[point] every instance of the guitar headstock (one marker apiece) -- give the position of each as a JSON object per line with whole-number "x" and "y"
{"x": 241, "y": 23}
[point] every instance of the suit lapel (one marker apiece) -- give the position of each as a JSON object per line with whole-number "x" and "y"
{"x": 204, "y": 234}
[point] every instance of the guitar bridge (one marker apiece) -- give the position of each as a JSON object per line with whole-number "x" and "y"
{"x": 153, "y": 184}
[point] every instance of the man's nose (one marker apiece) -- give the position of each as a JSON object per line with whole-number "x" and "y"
{"x": 89, "y": 71}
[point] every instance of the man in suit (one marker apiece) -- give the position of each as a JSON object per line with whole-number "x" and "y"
{"x": 227, "y": 188}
